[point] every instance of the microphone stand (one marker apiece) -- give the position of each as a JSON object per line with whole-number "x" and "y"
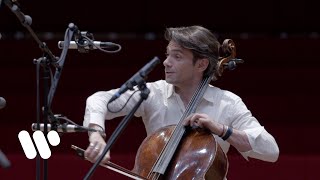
{"x": 144, "y": 92}
{"x": 45, "y": 61}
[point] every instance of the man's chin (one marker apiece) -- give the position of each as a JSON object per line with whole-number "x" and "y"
{"x": 167, "y": 80}
{"x": 170, "y": 81}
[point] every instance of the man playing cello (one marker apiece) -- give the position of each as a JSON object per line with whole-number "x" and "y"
{"x": 192, "y": 55}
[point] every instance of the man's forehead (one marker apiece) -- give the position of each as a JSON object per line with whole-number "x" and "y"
{"x": 173, "y": 46}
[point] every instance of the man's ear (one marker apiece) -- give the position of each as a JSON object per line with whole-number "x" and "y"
{"x": 203, "y": 64}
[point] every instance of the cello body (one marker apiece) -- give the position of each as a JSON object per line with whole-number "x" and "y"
{"x": 198, "y": 156}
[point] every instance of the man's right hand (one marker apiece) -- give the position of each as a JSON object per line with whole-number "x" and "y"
{"x": 95, "y": 148}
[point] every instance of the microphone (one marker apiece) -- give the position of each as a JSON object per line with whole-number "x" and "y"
{"x": 136, "y": 79}
{"x": 4, "y": 162}
{"x": 3, "y": 102}
{"x": 66, "y": 128}
{"x": 232, "y": 64}
{"x": 87, "y": 45}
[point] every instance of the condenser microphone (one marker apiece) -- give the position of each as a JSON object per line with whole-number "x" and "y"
{"x": 65, "y": 128}
{"x": 136, "y": 79}
{"x": 87, "y": 45}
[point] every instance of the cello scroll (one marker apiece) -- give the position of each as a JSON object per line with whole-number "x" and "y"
{"x": 227, "y": 59}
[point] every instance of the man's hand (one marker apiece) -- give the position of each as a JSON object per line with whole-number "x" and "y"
{"x": 204, "y": 121}
{"x": 95, "y": 148}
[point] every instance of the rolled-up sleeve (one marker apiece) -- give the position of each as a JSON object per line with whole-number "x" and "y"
{"x": 263, "y": 144}
{"x": 96, "y": 110}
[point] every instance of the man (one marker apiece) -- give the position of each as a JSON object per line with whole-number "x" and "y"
{"x": 192, "y": 54}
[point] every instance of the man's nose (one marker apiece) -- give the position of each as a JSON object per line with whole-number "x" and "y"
{"x": 166, "y": 62}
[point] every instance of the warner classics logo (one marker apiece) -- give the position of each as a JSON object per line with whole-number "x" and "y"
{"x": 40, "y": 143}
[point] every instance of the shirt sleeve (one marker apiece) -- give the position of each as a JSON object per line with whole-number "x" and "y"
{"x": 264, "y": 146}
{"x": 96, "y": 110}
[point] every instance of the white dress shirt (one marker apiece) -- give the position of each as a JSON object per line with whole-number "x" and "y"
{"x": 164, "y": 107}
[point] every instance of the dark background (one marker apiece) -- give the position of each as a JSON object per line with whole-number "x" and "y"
{"x": 279, "y": 41}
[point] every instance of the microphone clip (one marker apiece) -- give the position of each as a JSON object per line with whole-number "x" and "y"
{"x": 82, "y": 38}
{"x": 82, "y": 41}
{"x": 232, "y": 64}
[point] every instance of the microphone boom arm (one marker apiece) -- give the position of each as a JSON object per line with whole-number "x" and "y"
{"x": 26, "y": 21}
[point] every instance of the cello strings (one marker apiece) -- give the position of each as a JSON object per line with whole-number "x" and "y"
{"x": 179, "y": 131}
{"x": 163, "y": 152}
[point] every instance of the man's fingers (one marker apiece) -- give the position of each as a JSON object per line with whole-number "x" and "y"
{"x": 198, "y": 116}
{"x": 88, "y": 151}
{"x": 97, "y": 152}
{"x": 195, "y": 120}
{"x": 92, "y": 151}
{"x": 199, "y": 122}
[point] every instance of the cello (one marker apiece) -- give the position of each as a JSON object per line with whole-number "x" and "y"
{"x": 177, "y": 152}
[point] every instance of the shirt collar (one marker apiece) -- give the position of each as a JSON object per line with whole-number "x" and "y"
{"x": 170, "y": 90}
{"x": 208, "y": 95}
